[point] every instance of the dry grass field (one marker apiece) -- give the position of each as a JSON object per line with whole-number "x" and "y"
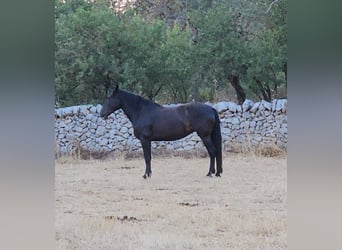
{"x": 108, "y": 205}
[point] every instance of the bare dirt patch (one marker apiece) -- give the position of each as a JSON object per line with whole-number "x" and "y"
{"x": 108, "y": 205}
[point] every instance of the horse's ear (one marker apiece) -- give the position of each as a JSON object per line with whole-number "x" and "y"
{"x": 115, "y": 90}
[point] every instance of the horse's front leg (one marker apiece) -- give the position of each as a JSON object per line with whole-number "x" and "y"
{"x": 146, "y": 145}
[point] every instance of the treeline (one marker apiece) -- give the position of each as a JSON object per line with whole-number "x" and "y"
{"x": 171, "y": 51}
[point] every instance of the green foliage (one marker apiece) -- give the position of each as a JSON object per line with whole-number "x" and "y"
{"x": 221, "y": 47}
{"x": 269, "y": 55}
{"x": 96, "y": 50}
{"x": 176, "y": 52}
{"x": 87, "y": 42}
{"x": 139, "y": 49}
{"x": 141, "y": 67}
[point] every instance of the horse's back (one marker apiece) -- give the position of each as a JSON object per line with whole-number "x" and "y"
{"x": 189, "y": 112}
{"x": 200, "y": 110}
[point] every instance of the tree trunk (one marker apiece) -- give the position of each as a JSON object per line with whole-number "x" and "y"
{"x": 240, "y": 93}
{"x": 265, "y": 90}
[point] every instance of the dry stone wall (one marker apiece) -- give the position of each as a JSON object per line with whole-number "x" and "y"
{"x": 259, "y": 123}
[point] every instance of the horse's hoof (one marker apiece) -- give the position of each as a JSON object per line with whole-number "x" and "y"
{"x": 209, "y": 174}
{"x": 217, "y": 175}
{"x": 145, "y": 176}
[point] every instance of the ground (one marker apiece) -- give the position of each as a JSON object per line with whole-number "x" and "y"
{"x": 108, "y": 205}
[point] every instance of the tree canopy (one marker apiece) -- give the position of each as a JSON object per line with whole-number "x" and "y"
{"x": 171, "y": 51}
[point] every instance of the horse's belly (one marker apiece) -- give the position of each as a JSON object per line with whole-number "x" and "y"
{"x": 170, "y": 137}
{"x": 172, "y": 133}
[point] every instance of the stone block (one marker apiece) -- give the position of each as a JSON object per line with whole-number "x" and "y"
{"x": 103, "y": 142}
{"x": 247, "y": 105}
{"x": 98, "y": 108}
{"x": 232, "y": 107}
{"x": 100, "y": 131}
{"x": 255, "y": 107}
{"x": 266, "y": 105}
{"x": 235, "y": 121}
{"x": 92, "y": 109}
{"x": 221, "y": 106}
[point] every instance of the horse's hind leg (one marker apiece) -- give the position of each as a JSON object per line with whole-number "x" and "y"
{"x": 218, "y": 163}
{"x": 146, "y": 145}
{"x": 212, "y": 152}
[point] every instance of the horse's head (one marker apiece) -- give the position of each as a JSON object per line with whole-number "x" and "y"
{"x": 112, "y": 104}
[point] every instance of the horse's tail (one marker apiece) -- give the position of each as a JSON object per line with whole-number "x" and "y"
{"x": 217, "y": 139}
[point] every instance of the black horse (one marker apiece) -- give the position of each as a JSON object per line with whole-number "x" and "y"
{"x": 153, "y": 122}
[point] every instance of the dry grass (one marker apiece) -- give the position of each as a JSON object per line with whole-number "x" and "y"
{"x": 108, "y": 205}
{"x": 266, "y": 150}
{"x": 245, "y": 148}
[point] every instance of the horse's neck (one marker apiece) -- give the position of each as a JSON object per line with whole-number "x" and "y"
{"x": 130, "y": 105}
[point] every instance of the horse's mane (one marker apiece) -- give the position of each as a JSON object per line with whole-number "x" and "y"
{"x": 139, "y": 100}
